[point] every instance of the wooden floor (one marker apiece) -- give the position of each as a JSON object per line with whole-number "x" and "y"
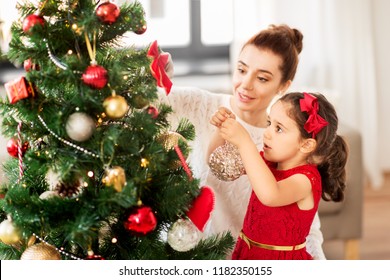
{"x": 375, "y": 244}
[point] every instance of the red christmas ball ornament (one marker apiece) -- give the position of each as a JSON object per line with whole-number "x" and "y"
{"x": 95, "y": 76}
{"x": 141, "y": 220}
{"x": 28, "y": 65}
{"x": 153, "y": 111}
{"x": 108, "y": 12}
{"x": 141, "y": 30}
{"x": 31, "y": 21}
{"x": 12, "y": 147}
{"x": 92, "y": 257}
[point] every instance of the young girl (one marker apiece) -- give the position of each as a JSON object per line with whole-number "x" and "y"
{"x": 303, "y": 160}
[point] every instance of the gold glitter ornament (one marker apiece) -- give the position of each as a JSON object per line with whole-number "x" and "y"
{"x": 9, "y": 234}
{"x": 169, "y": 140}
{"x": 226, "y": 163}
{"x": 115, "y": 177}
{"x": 41, "y": 251}
{"x": 115, "y": 106}
{"x": 140, "y": 101}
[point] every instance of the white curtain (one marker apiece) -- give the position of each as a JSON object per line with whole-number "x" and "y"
{"x": 338, "y": 58}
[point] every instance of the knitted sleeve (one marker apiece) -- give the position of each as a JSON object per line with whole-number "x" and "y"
{"x": 197, "y": 106}
{"x": 315, "y": 239}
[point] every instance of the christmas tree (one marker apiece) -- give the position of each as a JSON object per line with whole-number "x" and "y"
{"x": 96, "y": 171}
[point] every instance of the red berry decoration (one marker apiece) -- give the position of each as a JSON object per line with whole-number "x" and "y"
{"x": 108, "y": 12}
{"x": 95, "y": 76}
{"x": 141, "y": 220}
{"x": 31, "y": 21}
{"x": 153, "y": 111}
{"x": 12, "y": 147}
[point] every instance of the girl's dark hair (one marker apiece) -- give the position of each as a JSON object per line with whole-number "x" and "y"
{"x": 331, "y": 152}
{"x": 285, "y": 42}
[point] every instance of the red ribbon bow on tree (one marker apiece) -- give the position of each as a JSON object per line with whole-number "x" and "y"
{"x": 315, "y": 122}
{"x": 158, "y": 67}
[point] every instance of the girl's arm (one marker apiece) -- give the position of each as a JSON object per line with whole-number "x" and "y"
{"x": 270, "y": 192}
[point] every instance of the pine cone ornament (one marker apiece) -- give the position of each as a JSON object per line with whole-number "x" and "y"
{"x": 68, "y": 189}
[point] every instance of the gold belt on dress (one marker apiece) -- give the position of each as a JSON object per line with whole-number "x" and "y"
{"x": 250, "y": 242}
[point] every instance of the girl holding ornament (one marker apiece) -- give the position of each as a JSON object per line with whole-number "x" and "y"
{"x": 303, "y": 159}
{"x": 265, "y": 69}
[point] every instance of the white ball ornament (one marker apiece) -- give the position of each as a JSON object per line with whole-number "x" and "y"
{"x": 80, "y": 126}
{"x": 48, "y": 195}
{"x": 183, "y": 235}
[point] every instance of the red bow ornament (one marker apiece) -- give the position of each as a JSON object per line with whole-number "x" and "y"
{"x": 158, "y": 67}
{"x": 315, "y": 122}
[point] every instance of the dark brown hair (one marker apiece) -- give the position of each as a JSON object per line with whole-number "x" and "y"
{"x": 285, "y": 42}
{"x": 331, "y": 152}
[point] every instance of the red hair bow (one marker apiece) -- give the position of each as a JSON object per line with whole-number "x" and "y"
{"x": 158, "y": 67}
{"x": 315, "y": 122}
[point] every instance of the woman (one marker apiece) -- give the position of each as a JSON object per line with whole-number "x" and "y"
{"x": 265, "y": 69}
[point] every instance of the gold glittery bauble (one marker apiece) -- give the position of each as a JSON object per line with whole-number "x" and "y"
{"x": 41, "y": 251}
{"x": 169, "y": 140}
{"x": 9, "y": 234}
{"x": 226, "y": 163}
{"x": 115, "y": 106}
{"x": 140, "y": 102}
{"x": 115, "y": 177}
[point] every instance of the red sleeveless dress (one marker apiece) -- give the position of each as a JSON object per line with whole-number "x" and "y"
{"x": 282, "y": 226}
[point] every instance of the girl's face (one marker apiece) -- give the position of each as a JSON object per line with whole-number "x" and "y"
{"x": 256, "y": 79}
{"x": 282, "y": 138}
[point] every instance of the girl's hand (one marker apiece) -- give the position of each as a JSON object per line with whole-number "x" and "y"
{"x": 232, "y": 131}
{"x": 220, "y": 116}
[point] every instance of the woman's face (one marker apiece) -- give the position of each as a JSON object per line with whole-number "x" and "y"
{"x": 257, "y": 79}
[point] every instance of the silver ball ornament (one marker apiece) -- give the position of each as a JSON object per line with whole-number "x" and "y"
{"x": 183, "y": 235}
{"x": 80, "y": 126}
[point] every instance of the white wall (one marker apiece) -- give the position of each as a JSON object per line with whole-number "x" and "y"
{"x": 382, "y": 48}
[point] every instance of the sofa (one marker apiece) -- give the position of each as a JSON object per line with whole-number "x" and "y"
{"x": 343, "y": 220}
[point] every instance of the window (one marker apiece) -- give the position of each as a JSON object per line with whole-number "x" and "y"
{"x": 168, "y": 22}
{"x": 197, "y": 33}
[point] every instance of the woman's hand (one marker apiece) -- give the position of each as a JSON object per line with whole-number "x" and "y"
{"x": 220, "y": 116}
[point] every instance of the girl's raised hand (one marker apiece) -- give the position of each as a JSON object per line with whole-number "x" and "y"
{"x": 232, "y": 131}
